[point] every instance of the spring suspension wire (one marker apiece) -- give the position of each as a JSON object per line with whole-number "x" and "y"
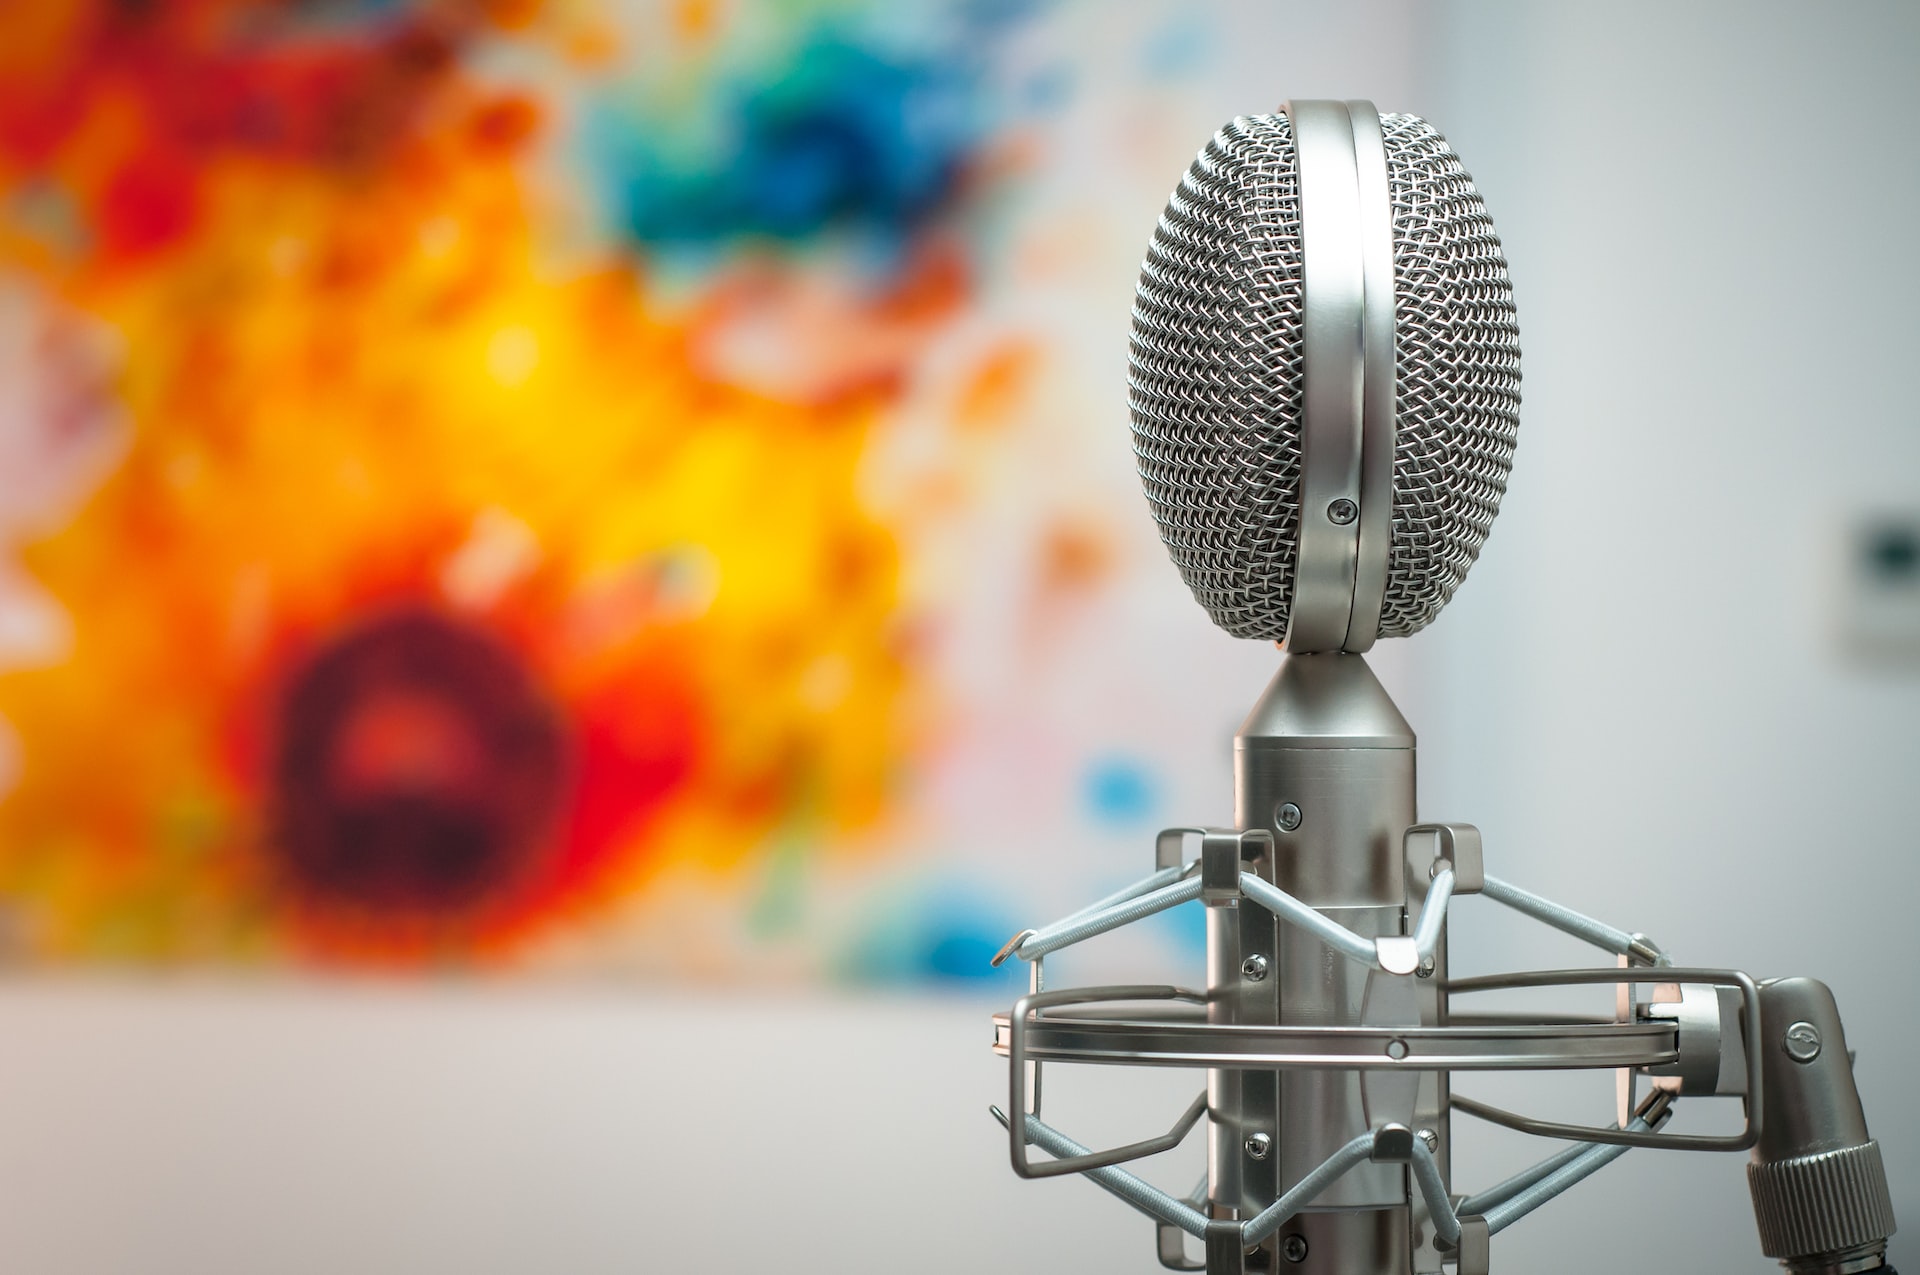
{"x": 1494, "y": 1196}
{"x": 1276, "y": 1215}
{"x": 1567, "y": 921}
{"x": 1589, "y": 1160}
{"x": 1075, "y": 929}
{"x": 1172, "y": 886}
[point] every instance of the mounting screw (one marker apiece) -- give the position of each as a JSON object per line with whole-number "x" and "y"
{"x": 1254, "y": 968}
{"x": 1802, "y": 1042}
{"x": 1431, "y": 1138}
{"x": 1294, "y": 1248}
{"x": 1288, "y": 817}
{"x": 1425, "y": 969}
{"x": 1396, "y": 1049}
{"x": 1342, "y": 511}
{"x": 1258, "y": 1145}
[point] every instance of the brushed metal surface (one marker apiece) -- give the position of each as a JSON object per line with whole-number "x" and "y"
{"x": 1169, "y": 1041}
{"x": 1327, "y": 741}
{"x": 1333, "y": 304}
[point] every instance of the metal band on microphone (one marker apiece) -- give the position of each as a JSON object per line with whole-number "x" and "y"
{"x": 1379, "y": 336}
{"x": 1347, "y": 340}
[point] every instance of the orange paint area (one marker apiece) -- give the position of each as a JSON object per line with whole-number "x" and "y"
{"x": 444, "y": 591}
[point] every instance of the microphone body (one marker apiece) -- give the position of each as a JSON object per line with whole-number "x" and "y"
{"x": 1338, "y": 218}
{"x": 1325, "y": 764}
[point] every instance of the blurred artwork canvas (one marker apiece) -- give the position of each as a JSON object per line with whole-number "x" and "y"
{"x": 635, "y": 488}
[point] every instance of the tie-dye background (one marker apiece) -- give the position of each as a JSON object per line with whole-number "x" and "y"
{"x": 566, "y": 486}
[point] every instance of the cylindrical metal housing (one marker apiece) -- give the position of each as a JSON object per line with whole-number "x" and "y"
{"x": 1325, "y": 762}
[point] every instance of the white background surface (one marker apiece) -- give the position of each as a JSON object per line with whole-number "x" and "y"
{"x": 1708, "y": 210}
{"x": 1638, "y": 695}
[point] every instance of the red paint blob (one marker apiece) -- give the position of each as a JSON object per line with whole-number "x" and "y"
{"x": 638, "y": 746}
{"x": 149, "y": 203}
{"x": 417, "y": 771}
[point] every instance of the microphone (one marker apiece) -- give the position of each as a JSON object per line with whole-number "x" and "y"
{"x": 1325, "y": 376}
{"x": 1324, "y": 390}
{"x": 1325, "y": 381}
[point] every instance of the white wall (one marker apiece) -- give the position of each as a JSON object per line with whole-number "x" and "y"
{"x": 1638, "y": 694}
{"x": 318, "y": 1129}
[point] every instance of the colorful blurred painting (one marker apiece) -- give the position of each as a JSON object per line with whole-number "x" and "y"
{"x": 567, "y": 486}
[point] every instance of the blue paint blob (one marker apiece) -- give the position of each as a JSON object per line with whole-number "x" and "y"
{"x": 938, "y": 934}
{"x": 1119, "y": 791}
{"x": 963, "y": 953}
{"x": 842, "y": 138}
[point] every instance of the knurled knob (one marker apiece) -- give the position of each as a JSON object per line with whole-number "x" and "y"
{"x": 1821, "y": 1203}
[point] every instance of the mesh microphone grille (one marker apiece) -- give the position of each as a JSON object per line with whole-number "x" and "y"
{"x": 1215, "y": 381}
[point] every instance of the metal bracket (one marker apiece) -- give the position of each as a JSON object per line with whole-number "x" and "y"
{"x": 1711, "y": 1042}
{"x": 1392, "y": 1144}
{"x": 1223, "y": 856}
{"x": 1170, "y": 846}
{"x": 1171, "y": 1242}
{"x": 1473, "y": 1255}
{"x": 1226, "y": 1251}
{"x": 1220, "y": 869}
{"x": 1165, "y": 1039}
{"x": 1028, "y": 1006}
{"x": 1455, "y": 845}
{"x": 1750, "y": 996}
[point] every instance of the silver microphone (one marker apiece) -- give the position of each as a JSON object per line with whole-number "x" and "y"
{"x": 1324, "y": 383}
{"x": 1325, "y": 376}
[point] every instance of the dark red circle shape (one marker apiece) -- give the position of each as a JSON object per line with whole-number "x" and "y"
{"x": 417, "y": 770}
